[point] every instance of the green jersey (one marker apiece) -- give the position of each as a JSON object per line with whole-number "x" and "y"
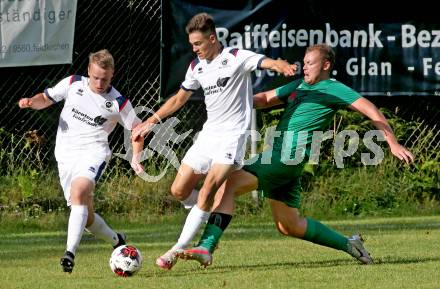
{"x": 309, "y": 108}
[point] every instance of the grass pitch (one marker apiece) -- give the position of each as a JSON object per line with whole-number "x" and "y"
{"x": 252, "y": 254}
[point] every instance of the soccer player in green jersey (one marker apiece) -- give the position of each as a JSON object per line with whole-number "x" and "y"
{"x": 310, "y": 104}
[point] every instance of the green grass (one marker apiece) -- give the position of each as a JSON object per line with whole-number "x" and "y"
{"x": 251, "y": 255}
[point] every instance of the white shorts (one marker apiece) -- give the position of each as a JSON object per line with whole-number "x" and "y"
{"x": 209, "y": 150}
{"x": 90, "y": 167}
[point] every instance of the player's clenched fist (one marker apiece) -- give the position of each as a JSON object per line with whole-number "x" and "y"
{"x": 38, "y": 101}
{"x": 25, "y": 103}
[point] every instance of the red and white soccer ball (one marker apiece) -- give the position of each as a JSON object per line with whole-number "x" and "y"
{"x": 126, "y": 261}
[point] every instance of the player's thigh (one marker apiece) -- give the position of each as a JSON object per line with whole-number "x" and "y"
{"x": 185, "y": 181}
{"x": 238, "y": 183}
{"x": 287, "y": 219}
{"x": 213, "y": 181}
{"x": 217, "y": 175}
{"x": 241, "y": 182}
{"x": 79, "y": 174}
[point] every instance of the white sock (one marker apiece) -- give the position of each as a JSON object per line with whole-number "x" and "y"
{"x": 196, "y": 217}
{"x": 101, "y": 230}
{"x": 189, "y": 202}
{"x": 75, "y": 229}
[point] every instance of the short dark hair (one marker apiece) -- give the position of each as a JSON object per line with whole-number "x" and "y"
{"x": 202, "y": 22}
{"x": 326, "y": 51}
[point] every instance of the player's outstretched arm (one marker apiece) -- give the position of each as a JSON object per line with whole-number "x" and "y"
{"x": 138, "y": 146}
{"x": 368, "y": 109}
{"x": 279, "y": 65}
{"x": 173, "y": 104}
{"x": 266, "y": 99}
{"x": 38, "y": 101}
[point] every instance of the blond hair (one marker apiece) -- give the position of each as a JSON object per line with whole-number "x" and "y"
{"x": 102, "y": 58}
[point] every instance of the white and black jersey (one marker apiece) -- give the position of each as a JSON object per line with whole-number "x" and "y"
{"x": 227, "y": 87}
{"x": 87, "y": 118}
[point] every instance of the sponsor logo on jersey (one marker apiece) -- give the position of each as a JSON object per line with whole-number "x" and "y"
{"x": 224, "y": 64}
{"x": 108, "y": 105}
{"x": 228, "y": 156}
{"x": 81, "y": 116}
{"x": 221, "y": 82}
{"x": 99, "y": 120}
{"x": 199, "y": 70}
{"x": 218, "y": 88}
{"x": 212, "y": 89}
{"x": 92, "y": 169}
{"x": 80, "y": 91}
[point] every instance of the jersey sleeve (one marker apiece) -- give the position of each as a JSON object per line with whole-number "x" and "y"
{"x": 191, "y": 83}
{"x": 340, "y": 95}
{"x": 251, "y": 60}
{"x": 59, "y": 91}
{"x": 128, "y": 117}
{"x": 283, "y": 92}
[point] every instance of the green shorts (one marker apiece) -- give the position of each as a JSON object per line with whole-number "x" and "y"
{"x": 277, "y": 180}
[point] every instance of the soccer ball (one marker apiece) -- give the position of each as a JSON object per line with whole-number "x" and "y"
{"x": 126, "y": 260}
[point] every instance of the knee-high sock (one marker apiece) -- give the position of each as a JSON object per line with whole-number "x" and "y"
{"x": 217, "y": 224}
{"x": 319, "y": 233}
{"x": 101, "y": 230}
{"x": 75, "y": 229}
{"x": 189, "y": 202}
{"x": 196, "y": 217}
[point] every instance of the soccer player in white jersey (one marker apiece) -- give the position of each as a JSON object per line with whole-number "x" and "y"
{"x": 92, "y": 108}
{"x": 224, "y": 74}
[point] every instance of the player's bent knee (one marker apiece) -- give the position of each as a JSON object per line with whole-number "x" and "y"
{"x": 179, "y": 194}
{"x": 79, "y": 196}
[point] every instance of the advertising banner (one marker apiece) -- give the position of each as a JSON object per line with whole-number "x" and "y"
{"x": 36, "y": 32}
{"x": 377, "y": 52}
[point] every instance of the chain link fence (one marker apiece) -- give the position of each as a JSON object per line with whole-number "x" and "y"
{"x": 131, "y": 30}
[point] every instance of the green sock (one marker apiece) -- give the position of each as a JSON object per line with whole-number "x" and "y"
{"x": 319, "y": 233}
{"x": 217, "y": 224}
{"x": 210, "y": 237}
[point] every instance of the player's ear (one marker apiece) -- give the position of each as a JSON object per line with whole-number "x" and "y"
{"x": 212, "y": 37}
{"x": 327, "y": 65}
